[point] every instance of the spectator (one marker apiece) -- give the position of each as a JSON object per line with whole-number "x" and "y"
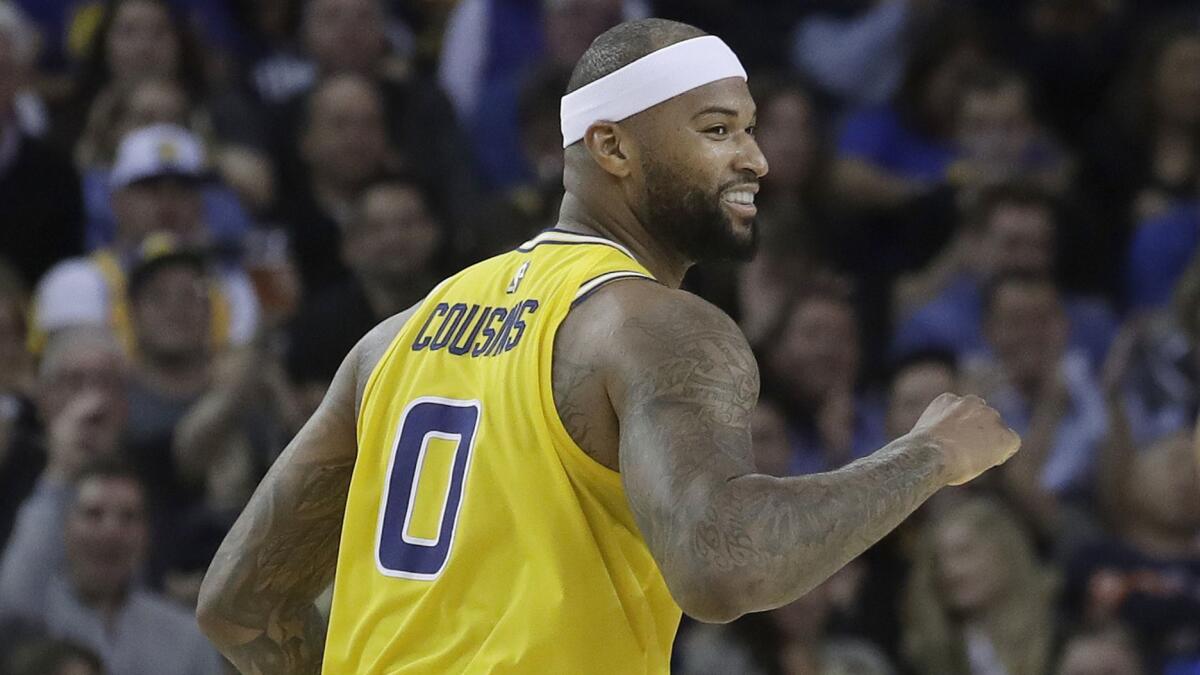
{"x": 390, "y": 244}
{"x": 136, "y": 40}
{"x": 916, "y": 380}
{"x": 1000, "y": 138}
{"x": 1145, "y": 573}
{"x": 1108, "y": 650}
{"x": 1159, "y": 253}
{"x": 39, "y": 191}
{"x": 1011, "y": 228}
{"x": 82, "y": 412}
{"x": 889, "y": 154}
{"x": 978, "y": 602}
{"x": 72, "y": 565}
{"x": 345, "y": 38}
{"x": 1152, "y": 377}
{"x": 1145, "y": 147}
{"x": 156, "y": 183}
{"x": 1044, "y": 390}
{"x": 119, "y": 111}
{"x": 812, "y": 359}
{"x": 171, "y": 315}
{"x": 344, "y": 148}
{"x": 52, "y": 657}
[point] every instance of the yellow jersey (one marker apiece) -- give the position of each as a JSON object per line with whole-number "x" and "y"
{"x": 478, "y": 537}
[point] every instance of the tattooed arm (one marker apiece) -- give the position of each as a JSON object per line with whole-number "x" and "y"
{"x": 683, "y": 383}
{"x": 256, "y": 602}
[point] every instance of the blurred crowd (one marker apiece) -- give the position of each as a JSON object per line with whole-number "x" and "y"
{"x": 205, "y": 203}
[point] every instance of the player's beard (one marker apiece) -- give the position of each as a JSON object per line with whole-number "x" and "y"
{"x": 691, "y": 220}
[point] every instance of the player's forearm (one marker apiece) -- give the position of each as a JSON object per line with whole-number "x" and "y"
{"x": 256, "y": 603}
{"x": 770, "y": 540}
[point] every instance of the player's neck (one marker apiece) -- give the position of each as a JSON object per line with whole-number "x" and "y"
{"x": 622, "y": 226}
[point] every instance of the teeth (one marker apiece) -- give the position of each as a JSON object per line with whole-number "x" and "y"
{"x": 740, "y": 197}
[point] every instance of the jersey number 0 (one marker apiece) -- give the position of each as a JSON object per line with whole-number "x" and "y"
{"x": 404, "y": 548}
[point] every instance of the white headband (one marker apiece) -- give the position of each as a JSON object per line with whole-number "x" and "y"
{"x": 650, "y": 80}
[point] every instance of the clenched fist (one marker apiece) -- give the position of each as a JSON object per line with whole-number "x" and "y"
{"x": 971, "y": 435}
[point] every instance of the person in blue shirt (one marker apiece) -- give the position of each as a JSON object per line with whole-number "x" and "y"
{"x": 1011, "y": 229}
{"x": 1161, "y": 249}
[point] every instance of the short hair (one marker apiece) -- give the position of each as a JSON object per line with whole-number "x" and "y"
{"x": 979, "y": 211}
{"x": 992, "y": 288}
{"x": 931, "y": 356}
{"x": 625, "y": 43}
{"x": 145, "y": 272}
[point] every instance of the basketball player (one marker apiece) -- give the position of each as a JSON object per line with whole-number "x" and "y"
{"x": 546, "y": 460}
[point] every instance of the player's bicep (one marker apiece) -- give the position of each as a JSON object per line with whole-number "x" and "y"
{"x": 684, "y": 385}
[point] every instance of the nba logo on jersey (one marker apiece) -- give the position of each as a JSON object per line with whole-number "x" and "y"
{"x": 516, "y": 280}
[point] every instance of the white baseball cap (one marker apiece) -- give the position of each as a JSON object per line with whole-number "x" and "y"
{"x": 158, "y": 150}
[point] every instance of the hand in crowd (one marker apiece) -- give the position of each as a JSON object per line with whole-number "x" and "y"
{"x": 70, "y": 441}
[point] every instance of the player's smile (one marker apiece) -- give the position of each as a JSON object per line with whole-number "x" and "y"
{"x": 740, "y": 200}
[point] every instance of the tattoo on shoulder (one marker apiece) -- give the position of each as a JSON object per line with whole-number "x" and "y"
{"x": 703, "y": 366}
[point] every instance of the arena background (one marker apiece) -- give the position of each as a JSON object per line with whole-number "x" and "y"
{"x": 204, "y": 203}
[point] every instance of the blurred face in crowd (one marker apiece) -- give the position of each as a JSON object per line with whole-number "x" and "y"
{"x": 1016, "y": 238}
{"x": 172, "y": 314}
{"x": 787, "y": 134}
{"x": 106, "y": 535}
{"x": 1165, "y": 489}
{"x": 1027, "y": 329}
{"x": 769, "y": 430}
{"x": 942, "y": 88}
{"x": 394, "y": 238}
{"x": 167, "y": 204}
{"x": 971, "y": 566}
{"x": 154, "y": 102}
{"x": 818, "y": 349}
{"x": 1100, "y": 655}
{"x": 912, "y": 390}
{"x": 1177, "y": 81}
{"x": 78, "y": 364}
{"x": 996, "y": 124}
{"x": 571, "y": 25}
{"x": 346, "y": 140}
{"x": 691, "y": 168}
{"x": 142, "y": 42}
{"x": 345, "y": 36}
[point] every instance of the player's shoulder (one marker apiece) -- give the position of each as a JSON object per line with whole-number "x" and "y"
{"x": 643, "y": 316}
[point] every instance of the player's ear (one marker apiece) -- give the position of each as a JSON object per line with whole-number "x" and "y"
{"x": 606, "y": 143}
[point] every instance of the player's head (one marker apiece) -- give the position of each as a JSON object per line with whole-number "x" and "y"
{"x": 686, "y": 166}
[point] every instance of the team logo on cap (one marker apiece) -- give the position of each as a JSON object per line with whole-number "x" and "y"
{"x": 168, "y": 152}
